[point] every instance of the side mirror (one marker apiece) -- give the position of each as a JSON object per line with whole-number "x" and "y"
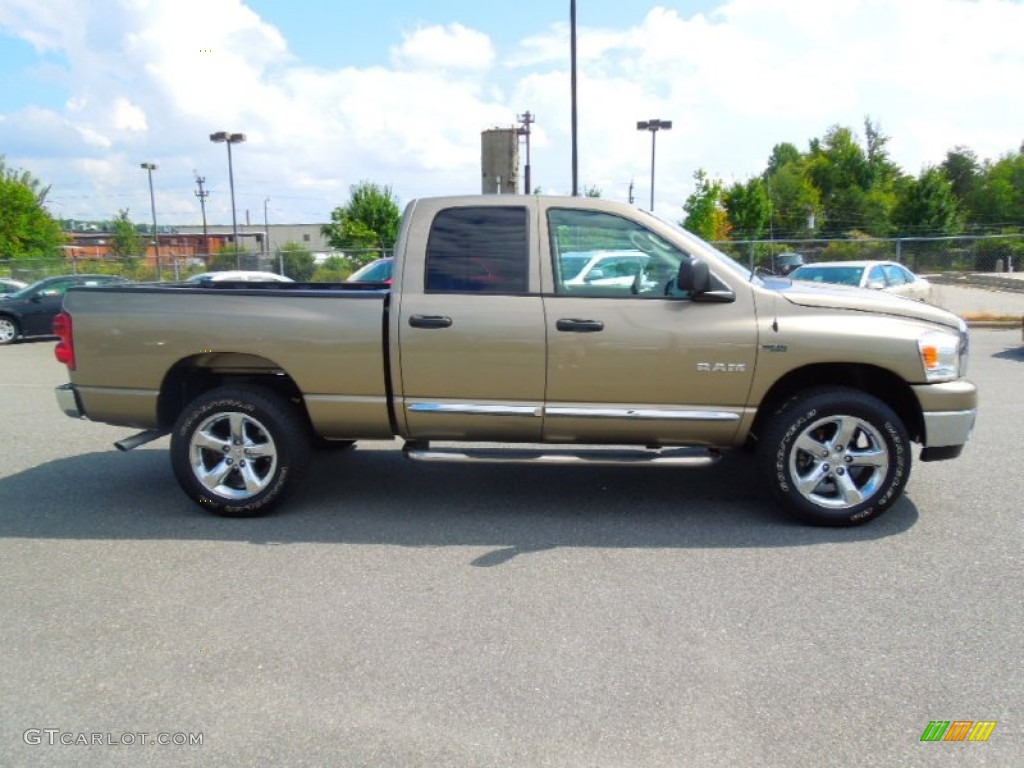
{"x": 694, "y": 276}
{"x": 876, "y": 284}
{"x": 695, "y": 279}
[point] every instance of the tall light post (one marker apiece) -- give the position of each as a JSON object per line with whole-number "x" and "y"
{"x": 653, "y": 126}
{"x": 572, "y": 89}
{"x": 226, "y": 137}
{"x": 149, "y": 168}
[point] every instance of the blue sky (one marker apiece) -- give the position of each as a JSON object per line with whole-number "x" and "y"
{"x": 397, "y": 92}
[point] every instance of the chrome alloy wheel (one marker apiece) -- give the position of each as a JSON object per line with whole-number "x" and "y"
{"x": 839, "y": 462}
{"x": 233, "y": 455}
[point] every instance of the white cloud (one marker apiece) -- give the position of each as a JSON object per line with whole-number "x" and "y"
{"x": 128, "y": 117}
{"x": 146, "y": 82}
{"x": 451, "y": 47}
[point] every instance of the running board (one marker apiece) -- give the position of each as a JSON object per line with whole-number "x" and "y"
{"x": 592, "y": 457}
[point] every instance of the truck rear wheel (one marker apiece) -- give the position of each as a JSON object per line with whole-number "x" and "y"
{"x": 237, "y": 451}
{"x": 836, "y": 456}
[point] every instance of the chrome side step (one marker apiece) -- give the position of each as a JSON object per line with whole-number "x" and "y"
{"x": 566, "y": 456}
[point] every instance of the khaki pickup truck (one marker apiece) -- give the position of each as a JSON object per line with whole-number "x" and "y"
{"x": 487, "y": 347}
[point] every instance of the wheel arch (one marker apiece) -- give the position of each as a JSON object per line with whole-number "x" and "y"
{"x": 193, "y": 376}
{"x": 873, "y": 380}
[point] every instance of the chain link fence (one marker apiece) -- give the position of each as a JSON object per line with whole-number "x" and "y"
{"x": 328, "y": 266}
{"x": 923, "y": 255}
{"x": 983, "y": 253}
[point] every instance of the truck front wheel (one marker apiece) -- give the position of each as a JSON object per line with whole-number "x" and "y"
{"x": 237, "y": 451}
{"x": 836, "y": 456}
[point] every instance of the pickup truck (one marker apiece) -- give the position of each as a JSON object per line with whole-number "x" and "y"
{"x": 482, "y": 349}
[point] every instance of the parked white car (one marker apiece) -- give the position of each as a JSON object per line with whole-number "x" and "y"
{"x": 879, "y": 275}
{"x": 610, "y": 268}
{"x": 239, "y": 275}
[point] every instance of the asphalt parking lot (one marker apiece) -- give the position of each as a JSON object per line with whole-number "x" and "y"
{"x": 396, "y": 614}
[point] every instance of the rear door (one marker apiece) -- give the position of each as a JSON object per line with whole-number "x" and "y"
{"x": 470, "y": 322}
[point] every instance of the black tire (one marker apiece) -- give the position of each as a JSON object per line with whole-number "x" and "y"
{"x": 238, "y": 451}
{"x": 9, "y": 330}
{"x": 835, "y": 456}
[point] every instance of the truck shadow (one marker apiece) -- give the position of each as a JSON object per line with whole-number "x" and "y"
{"x": 379, "y": 497}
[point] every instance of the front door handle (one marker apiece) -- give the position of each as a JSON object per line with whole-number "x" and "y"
{"x": 573, "y": 325}
{"x": 430, "y": 321}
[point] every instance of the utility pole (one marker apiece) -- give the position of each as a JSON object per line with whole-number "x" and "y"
{"x": 527, "y": 120}
{"x": 202, "y": 194}
{"x": 631, "y": 192}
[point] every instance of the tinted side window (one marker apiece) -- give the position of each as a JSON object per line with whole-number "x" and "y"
{"x": 478, "y": 250}
{"x": 600, "y": 254}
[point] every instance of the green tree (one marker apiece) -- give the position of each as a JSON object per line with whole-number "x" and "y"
{"x": 749, "y": 209}
{"x": 369, "y": 220}
{"x": 796, "y": 209}
{"x": 592, "y": 191}
{"x": 998, "y": 197}
{"x": 26, "y": 179}
{"x": 26, "y": 229}
{"x": 962, "y": 169}
{"x": 232, "y": 257}
{"x": 299, "y": 263}
{"x": 334, "y": 270}
{"x": 927, "y": 206}
{"x": 782, "y": 155}
{"x": 856, "y": 187}
{"x": 705, "y": 212}
{"x": 125, "y": 241}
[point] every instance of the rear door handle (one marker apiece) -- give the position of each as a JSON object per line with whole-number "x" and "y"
{"x": 430, "y": 321}
{"x": 573, "y": 325}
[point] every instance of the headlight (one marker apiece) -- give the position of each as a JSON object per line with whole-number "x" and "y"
{"x": 941, "y": 355}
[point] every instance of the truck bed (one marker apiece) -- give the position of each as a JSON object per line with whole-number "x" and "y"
{"x": 328, "y": 338}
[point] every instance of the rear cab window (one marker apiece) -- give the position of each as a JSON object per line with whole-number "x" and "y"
{"x": 482, "y": 250}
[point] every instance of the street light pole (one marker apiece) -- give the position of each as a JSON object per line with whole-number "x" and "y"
{"x": 572, "y": 56}
{"x": 231, "y": 138}
{"x": 653, "y": 126}
{"x": 149, "y": 168}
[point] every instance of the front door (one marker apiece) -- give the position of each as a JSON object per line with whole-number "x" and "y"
{"x": 630, "y": 358}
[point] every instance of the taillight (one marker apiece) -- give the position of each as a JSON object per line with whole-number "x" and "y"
{"x": 65, "y": 349}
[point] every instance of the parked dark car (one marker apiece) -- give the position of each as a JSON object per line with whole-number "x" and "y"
{"x": 8, "y": 286}
{"x": 378, "y": 271}
{"x": 30, "y": 311}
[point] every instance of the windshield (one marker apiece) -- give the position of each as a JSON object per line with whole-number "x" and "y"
{"x": 28, "y": 290}
{"x": 839, "y": 275}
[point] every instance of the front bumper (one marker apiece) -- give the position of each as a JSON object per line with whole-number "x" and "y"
{"x": 949, "y": 428}
{"x": 948, "y": 413}
{"x": 67, "y": 401}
